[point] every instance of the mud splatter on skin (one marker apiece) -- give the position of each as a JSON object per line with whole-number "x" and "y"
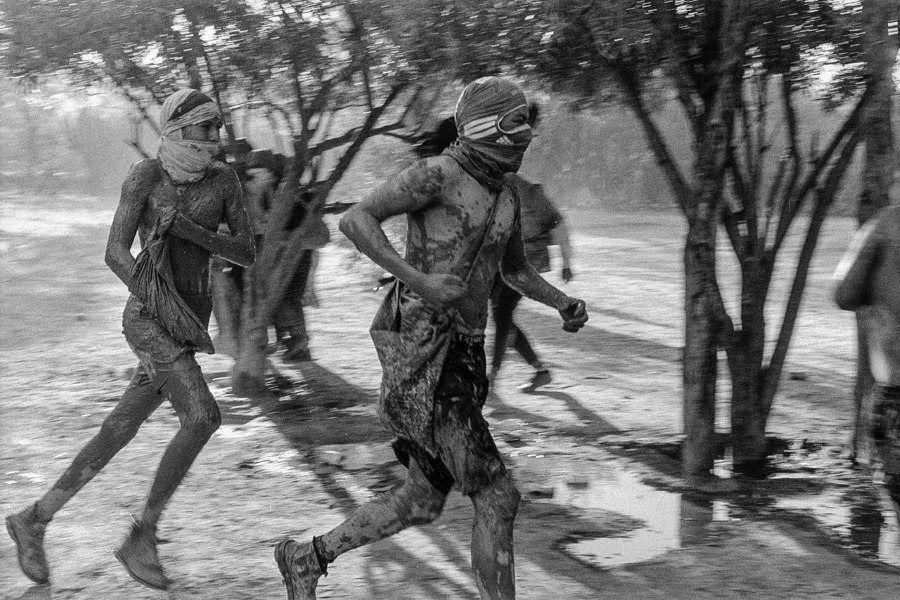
{"x": 146, "y": 191}
{"x": 445, "y": 232}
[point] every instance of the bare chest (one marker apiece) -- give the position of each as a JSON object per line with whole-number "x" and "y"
{"x": 450, "y": 231}
{"x": 202, "y": 202}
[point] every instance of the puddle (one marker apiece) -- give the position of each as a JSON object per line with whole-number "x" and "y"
{"x": 851, "y": 507}
{"x": 859, "y": 519}
{"x": 624, "y": 494}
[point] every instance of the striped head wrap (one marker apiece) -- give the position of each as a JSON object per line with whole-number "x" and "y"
{"x": 484, "y": 149}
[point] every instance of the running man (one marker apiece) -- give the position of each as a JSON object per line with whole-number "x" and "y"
{"x": 448, "y": 199}
{"x": 175, "y": 203}
{"x": 868, "y": 281}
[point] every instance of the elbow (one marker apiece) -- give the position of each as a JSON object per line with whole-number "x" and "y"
{"x": 845, "y": 299}
{"x": 348, "y": 224}
{"x": 111, "y": 258}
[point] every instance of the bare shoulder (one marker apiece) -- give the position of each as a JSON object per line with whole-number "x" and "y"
{"x": 144, "y": 172}
{"x": 431, "y": 175}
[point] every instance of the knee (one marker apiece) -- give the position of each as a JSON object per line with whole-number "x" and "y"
{"x": 204, "y": 419}
{"x": 501, "y": 499}
{"x": 120, "y": 427}
{"x": 203, "y": 422}
{"x": 423, "y": 507}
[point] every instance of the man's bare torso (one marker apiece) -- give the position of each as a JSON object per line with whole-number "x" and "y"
{"x": 443, "y": 237}
{"x": 204, "y": 202}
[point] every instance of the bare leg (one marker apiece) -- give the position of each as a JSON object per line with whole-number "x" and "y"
{"x": 414, "y": 502}
{"x": 182, "y": 384}
{"x": 118, "y": 429}
{"x": 186, "y": 389}
{"x": 521, "y": 344}
{"x": 492, "y": 539}
{"x": 504, "y": 300}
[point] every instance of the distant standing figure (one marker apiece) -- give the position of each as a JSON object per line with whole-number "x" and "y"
{"x": 868, "y": 282}
{"x": 175, "y": 203}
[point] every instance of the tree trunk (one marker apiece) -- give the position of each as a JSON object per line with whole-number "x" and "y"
{"x": 226, "y": 307}
{"x": 700, "y": 350}
{"x": 745, "y": 358}
{"x": 249, "y": 370}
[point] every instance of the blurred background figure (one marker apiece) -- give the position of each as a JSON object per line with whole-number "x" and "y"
{"x": 868, "y": 282}
{"x": 263, "y": 172}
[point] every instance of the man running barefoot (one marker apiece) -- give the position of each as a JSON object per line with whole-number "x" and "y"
{"x": 175, "y": 203}
{"x": 448, "y": 200}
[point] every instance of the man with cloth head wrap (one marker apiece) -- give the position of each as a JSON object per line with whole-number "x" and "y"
{"x": 463, "y": 217}
{"x": 174, "y": 203}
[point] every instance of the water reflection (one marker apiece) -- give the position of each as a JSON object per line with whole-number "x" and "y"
{"x": 858, "y": 517}
{"x": 624, "y": 494}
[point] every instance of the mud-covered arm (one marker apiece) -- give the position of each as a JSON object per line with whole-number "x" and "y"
{"x": 560, "y": 237}
{"x": 238, "y": 245}
{"x": 522, "y": 277}
{"x": 413, "y": 189}
{"x": 852, "y": 275}
{"x": 132, "y": 203}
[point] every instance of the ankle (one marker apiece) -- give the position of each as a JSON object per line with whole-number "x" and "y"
{"x": 319, "y": 551}
{"x": 39, "y": 514}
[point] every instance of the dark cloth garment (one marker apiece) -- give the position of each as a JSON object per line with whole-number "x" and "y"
{"x": 886, "y": 434}
{"x": 153, "y": 283}
{"x": 539, "y": 218}
{"x": 467, "y": 457}
{"x": 504, "y": 301}
{"x": 484, "y": 170}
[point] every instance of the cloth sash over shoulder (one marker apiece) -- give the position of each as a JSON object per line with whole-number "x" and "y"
{"x": 412, "y": 338}
{"x": 153, "y": 284}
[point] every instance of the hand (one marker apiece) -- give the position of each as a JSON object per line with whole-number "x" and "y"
{"x": 440, "y": 289}
{"x": 567, "y": 274}
{"x": 166, "y": 216}
{"x": 574, "y": 316}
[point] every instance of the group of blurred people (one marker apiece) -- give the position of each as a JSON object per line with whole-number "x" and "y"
{"x": 261, "y": 172}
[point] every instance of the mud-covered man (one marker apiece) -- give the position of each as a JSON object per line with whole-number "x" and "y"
{"x": 868, "y": 282}
{"x": 448, "y": 200}
{"x": 175, "y": 203}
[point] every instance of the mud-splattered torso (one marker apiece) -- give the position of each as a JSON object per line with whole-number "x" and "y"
{"x": 205, "y": 202}
{"x": 444, "y": 235}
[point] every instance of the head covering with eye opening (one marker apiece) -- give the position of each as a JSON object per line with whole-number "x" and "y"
{"x": 485, "y": 150}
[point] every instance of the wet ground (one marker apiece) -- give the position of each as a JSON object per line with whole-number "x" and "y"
{"x": 595, "y": 453}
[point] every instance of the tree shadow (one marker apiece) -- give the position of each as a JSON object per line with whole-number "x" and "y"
{"x": 590, "y": 422}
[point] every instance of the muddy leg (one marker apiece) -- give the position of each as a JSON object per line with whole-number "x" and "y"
{"x": 196, "y": 407}
{"x": 118, "y": 429}
{"x": 414, "y": 502}
{"x": 492, "y": 539}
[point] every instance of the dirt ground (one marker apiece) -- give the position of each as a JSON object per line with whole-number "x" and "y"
{"x": 604, "y": 513}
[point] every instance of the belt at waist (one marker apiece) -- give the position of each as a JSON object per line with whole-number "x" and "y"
{"x": 459, "y": 336}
